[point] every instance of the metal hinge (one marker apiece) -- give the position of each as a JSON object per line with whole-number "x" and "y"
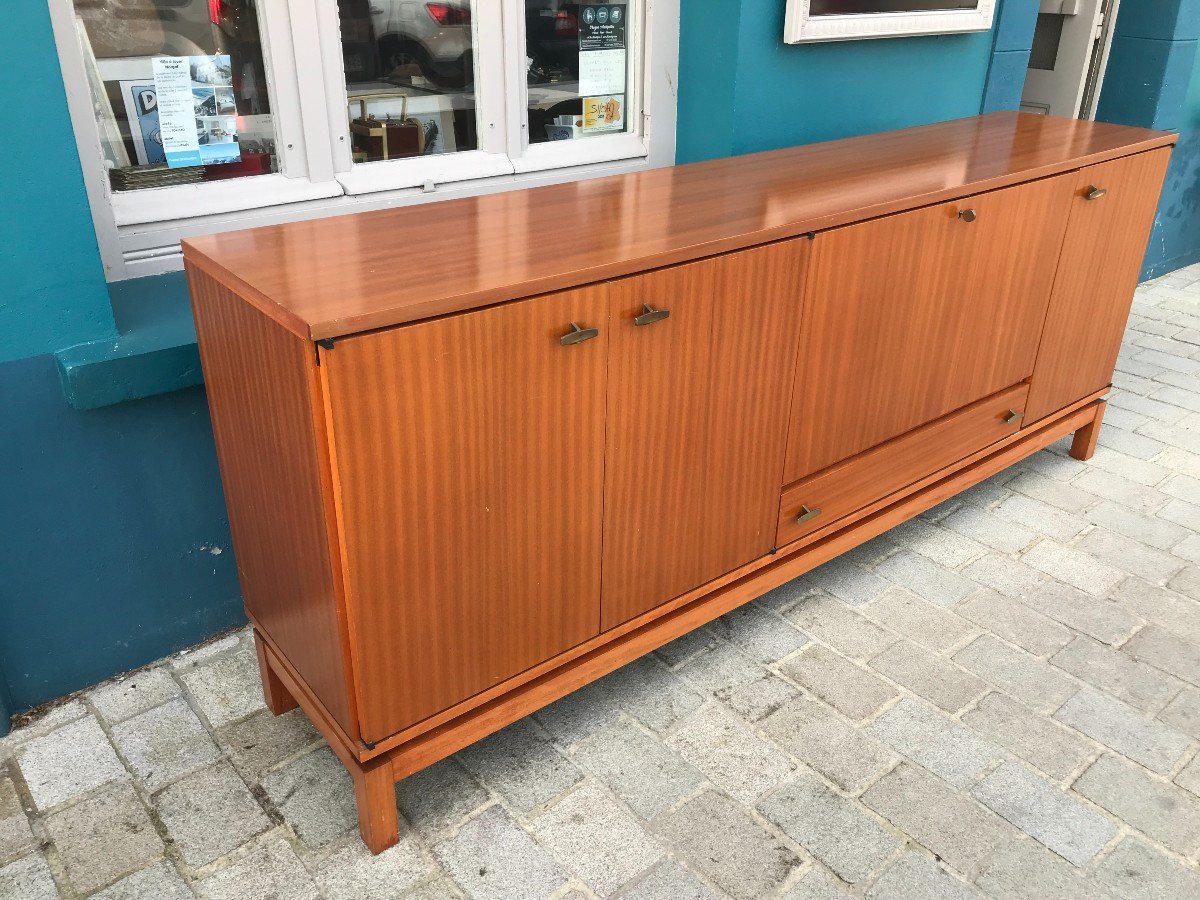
{"x": 323, "y": 343}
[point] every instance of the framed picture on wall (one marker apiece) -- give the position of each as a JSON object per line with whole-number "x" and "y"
{"x": 851, "y": 20}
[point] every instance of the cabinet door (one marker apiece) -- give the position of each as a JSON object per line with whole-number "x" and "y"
{"x": 913, "y": 316}
{"x": 469, "y": 465}
{"x": 1112, "y": 210}
{"x": 697, "y": 408}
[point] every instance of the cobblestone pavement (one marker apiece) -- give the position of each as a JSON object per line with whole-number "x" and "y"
{"x": 999, "y": 698}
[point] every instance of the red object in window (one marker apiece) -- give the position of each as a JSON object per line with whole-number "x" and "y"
{"x": 449, "y": 14}
{"x": 214, "y": 11}
{"x": 565, "y": 24}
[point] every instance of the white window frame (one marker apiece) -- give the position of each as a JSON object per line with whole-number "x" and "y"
{"x": 800, "y": 27}
{"x": 138, "y": 232}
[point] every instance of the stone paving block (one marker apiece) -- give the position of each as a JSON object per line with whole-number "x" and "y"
{"x": 684, "y": 647}
{"x": 831, "y": 621}
{"x": 439, "y": 796}
{"x": 945, "y": 547}
{"x": 1017, "y": 673}
{"x": 1182, "y": 513}
{"x": 818, "y": 884}
{"x": 1138, "y": 526}
{"x": 848, "y": 688}
{"x": 992, "y": 531}
{"x": 157, "y": 882}
{"x": 729, "y": 754}
{"x": 848, "y": 581}
{"x": 928, "y": 675}
{"x": 935, "y": 741}
{"x": 1185, "y": 487}
{"x": 647, "y": 776}
{"x": 720, "y": 667}
{"x": 781, "y": 598}
{"x": 1135, "y": 869}
{"x": 1014, "y": 622}
{"x": 1183, "y": 713}
{"x": 270, "y": 870}
{"x": 104, "y": 837}
{"x": 228, "y": 688}
{"x": 193, "y": 656}
{"x": 1162, "y": 811}
{"x": 1041, "y": 517}
{"x": 46, "y": 721}
{"x": 1107, "y": 622}
{"x": 1071, "y": 829}
{"x": 1189, "y": 776}
{"x": 352, "y": 873}
{"x": 1187, "y": 582}
{"x": 948, "y": 823}
{"x": 1107, "y": 720}
{"x": 116, "y": 701}
{"x": 601, "y": 843}
{"x": 1006, "y": 576}
{"x": 28, "y": 878}
{"x": 491, "y": 858}
{"x": 916, "y": 876}
{"x": 1076, "y": 569}
{"x": 668, "y": 881}
{"x": 1129, "y": 556}
{"x": 578, "y": 715}
{"x": 650, "y": 692}
{"x": 723, "y": 843}
{"x": 1053, "y": 463}
{"x": 521, "y": 764}
{"x": 761, "y": 635}
{"x": 1129, "y": 442}
{"x": 919, "y": 621}
{"x": 1038, "y": 740}
{"x": 165, "y": 743}
{"x": 315, "y": 794}
{"x": 925, "y": 578}
{"x": 835, "y": 830}
{"x": 1027, "y": 870}
{"x": 758, "y": 699}
{"x": 1062, "y": 496}
{"x": 15, "y": 834}
{"x": 1167, "y": 651}
{"x": 262, "y": 741}
{"x": 817, "y": 736}
{"x": 1188, "y": 548}
{"x": 1136, "y": 683}
{"x": 66, "y": 762}
{"x": 209, "y": 813}
{"x": 1122, "y": 491}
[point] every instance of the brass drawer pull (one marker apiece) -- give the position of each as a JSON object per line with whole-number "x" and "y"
{"x": 1014, "y": 417}
{"x": 968, "y": 215}
{"x": 650, "y": 315}
{"x": 1095, "y": 193}
{"x": 578, "y": 335}
{"x": 807, "y": 515}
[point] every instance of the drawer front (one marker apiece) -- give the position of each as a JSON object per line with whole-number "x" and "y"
{"x": 842, "y": 489}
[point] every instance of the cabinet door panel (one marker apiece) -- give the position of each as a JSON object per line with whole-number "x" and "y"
{"x": 697, "y": 408}
{"x": 1101, "y": 260}
{"x": 913, "y": 316}
{"x": 469, "y": 460}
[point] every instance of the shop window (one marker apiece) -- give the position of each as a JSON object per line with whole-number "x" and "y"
{"x": 843, "y": 20}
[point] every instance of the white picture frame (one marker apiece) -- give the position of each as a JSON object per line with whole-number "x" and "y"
{"x": 800, "y": 27}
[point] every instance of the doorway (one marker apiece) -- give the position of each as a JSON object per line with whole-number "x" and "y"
{"x": 1070, "y": 53}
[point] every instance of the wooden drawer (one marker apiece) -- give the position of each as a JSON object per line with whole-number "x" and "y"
{"x": 842, "y": 489}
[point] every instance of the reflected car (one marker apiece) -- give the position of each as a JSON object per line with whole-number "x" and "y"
{"x": 432, "y": 37}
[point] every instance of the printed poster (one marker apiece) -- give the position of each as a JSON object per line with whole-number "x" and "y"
{"x": 141, "y": 110}
{"x": 603, "y": 56}
{"x": 602, "y": 115}
{"x": 197, "y": 113}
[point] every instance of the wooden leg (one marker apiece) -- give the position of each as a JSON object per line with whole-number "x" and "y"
{"x": 279, "y": 698}
{"x": 375, "y": 791}
{"x": 1084, "y": 444}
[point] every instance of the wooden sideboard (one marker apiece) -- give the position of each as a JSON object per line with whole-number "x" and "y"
{"x": 479, "y": 453}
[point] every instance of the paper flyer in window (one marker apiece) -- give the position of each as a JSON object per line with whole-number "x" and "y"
{"x": 141, "y": 109}
{"x": 197, "y": 113}
{"x": 602, "y": 49}
{"x": 603, "y": 114}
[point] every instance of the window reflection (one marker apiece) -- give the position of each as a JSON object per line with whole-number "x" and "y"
{"x": 860, "y": 7}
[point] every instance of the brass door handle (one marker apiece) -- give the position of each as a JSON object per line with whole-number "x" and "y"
{"x": 1014, "y": 416}
{"x": 1095, "y": 193}
{"x": 807, "y": 515}
{"x": 968, "y": 215}
{"x": 650, "y": 315}
{"x": 578, "y": 334}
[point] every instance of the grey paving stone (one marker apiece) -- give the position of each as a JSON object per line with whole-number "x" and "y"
{"x": 916, "y": 876}
{"x": 651, "y": 693}
{"x": 1164, "y": 607}
{"x": 1186, "y": 582}
{"x": 981, "y": 526}
{"x": 729, "y": 754}
{"x": 165, "y": 743}
{"x": 47, "y": 720}
{"x": 1129, "y": 556}
{"x": 209, "y": 813}
{"x": 1130, "y": 442}
{"x": 157, "y": 882}
{"x": 1014, "y": 622}
{"x": 578, "y": 715}
{"x": 848, "y": 688}
{"x": 1076, "y": 569}
{"x": 315, "y": 794}
{"x": 15, "y": 834}
{"x": 264, "y": 740}
{"x": 228, "y": 688}
{"x": 829, "y": 620}
{"x": 819, "y": 737}
{"x": 1104, "y": 620}
{"x": 762, "y": 635}
{"x": 937, "y": 742}
{"x": 1071, "y": 829}
{"x": 1027, "y": 870}
{"x": 1062, "y": 496}
{"x": 758, "y": 699}
{"x": 1167, "y": 651}
{"x": 1135, "y": 869}
{"x": 848, "y": 581}
{"x": 1189, "y": 776}
{"x": 1138, "y": 470}
{"x": 116, "y": 701}
{"x": 668, "y": 881}
{"x": 601, "y": 843}
{"x": 720, "y": 840}
{"x": 922, "y": 622}
{"x": 782, "y": 597}
{"x": 68, "y": 761}
{"x": 1006, "y": 576}
{"x": 931, "y": 676}
{"x": 353, "y": 873}
{"x": 1185, "y": 514}
{"x": 647, "y": 776}
{"x": 491, "y": 858}
{"x": 1038, "y": 740}
{"x": 104, "y": 837}
{"x": 270, "y": 870}
{"x": 683, "y": 648}
{"x": 1183, "y": 713}
{"x": 194, "y": 656}
{"x": 834, "y": 829}
{"x": 1107, "y": 720}
{"x": 948, "y": 823}
{"x": 1041, "y": 517}
{"x": 1163, "y": 812}
{"x": 1017, "y": 673}
{"x": 720, "y": 667}
{"x": 1185, "y": 487}
{"x": 1138, "y": 684}
{"x": 439, "y": 796}
{"x": 1122, "y": 491}
{"x": 945, "y": 547}
{"x": 28, "y": 878}
{"x": 925, "y": 578}
{"x": 1137, "y": 525}
{"x": 521, "y": 764}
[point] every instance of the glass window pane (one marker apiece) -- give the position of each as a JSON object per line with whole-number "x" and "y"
{"x": 578, "y": 62}
{"x": 859, "y": 7}
{"x": 179, "y": 88}
{"x": 410, "y": 77}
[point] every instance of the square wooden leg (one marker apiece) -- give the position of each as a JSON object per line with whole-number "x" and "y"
{"x": 1084, "y": 444}
{"x": 375, "y": 793}
{"x": 279, "y": 699}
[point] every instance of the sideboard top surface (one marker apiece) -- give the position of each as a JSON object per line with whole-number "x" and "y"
{"x": 335, "y": 276}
